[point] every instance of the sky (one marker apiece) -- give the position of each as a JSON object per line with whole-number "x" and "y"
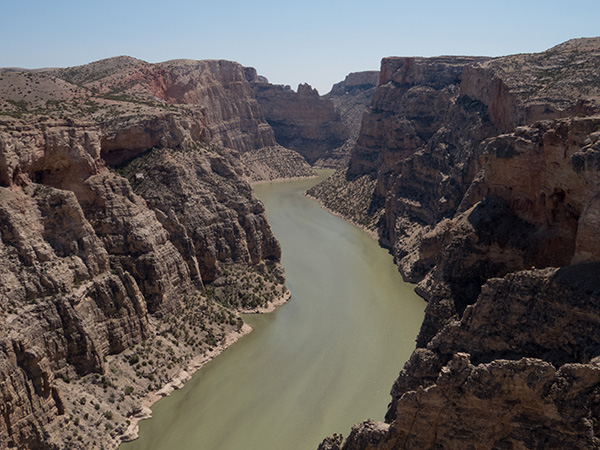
{"x": 314, "y": 41}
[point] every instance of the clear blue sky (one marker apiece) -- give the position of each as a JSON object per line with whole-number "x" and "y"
{"x": 314, "y": 41}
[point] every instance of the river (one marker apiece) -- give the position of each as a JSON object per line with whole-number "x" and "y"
{"x": 317, "y": 365}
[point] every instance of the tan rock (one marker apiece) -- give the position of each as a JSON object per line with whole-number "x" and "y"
{"x": 504, "y": 180}
{"x": 89, "y": 270}
{"x": 301, "y": 121}
{"x": 477, "y": 384}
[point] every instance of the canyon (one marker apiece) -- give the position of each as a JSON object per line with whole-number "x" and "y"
{"x": 131, "y": 239}
{"x": 481, "y": 175}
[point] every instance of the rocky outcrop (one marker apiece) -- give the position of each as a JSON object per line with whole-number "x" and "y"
{"x": 523, "y": 210}
{"x": 529, "y": 380}
{"x": 484, "y": 199}
{"x": 219, "y": 98}
{"x": 140, "y": 106}
{"x": 547, "y": 174}
{"x": 413, "y": 100}
{"x": 198, "y": 195}
{"x": 114, "y": 283}
{"x": 94, "y": 265}
{"x": 355, "y": 83}
{"x": 351, "y": 98}
{"x": 421, "y": 136}
{"x": 275, "y": 163}
{"x": 302, "y": 120}
{"x": 410, "y": 105}
{"x": 135, "y": 134}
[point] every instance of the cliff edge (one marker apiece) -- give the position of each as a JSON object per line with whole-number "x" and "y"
{"x": 130, "y": 240}
{"x": 483, "y": 173}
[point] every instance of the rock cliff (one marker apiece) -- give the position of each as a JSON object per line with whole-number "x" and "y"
{"x": 114, "y": 283}
{"x": 351, "y": 98}
{"x": 486, "y": 176}
{"x": 142, "y": 105}
{"x": 529, "y": 380}
{"x": 302, "y": 120}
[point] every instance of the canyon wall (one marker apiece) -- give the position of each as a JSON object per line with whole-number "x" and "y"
{"x": 485, "y": 176}
{"x": 323, "y": 129}
{"x": 114, "y": 283}
{"x": 302, "y": 120}
{"x": 211, "y": 101}
{"x": 351, "y": 98}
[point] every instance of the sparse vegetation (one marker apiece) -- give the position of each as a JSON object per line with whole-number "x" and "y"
{"x": 201, "y": 321}
{"x": 246, "y": 289}
{"x": 356, "y": 200}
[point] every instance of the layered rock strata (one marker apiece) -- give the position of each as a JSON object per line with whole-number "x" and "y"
{"x": 101, "y": 280}
{"x": 490, "y": 186}
{"x": 198, "y": 196}
{"x": 302, "y": 120}
{"x": 529, "y": 380}
{"x": 351, "y": 98}
{"x": 142, "y": 105}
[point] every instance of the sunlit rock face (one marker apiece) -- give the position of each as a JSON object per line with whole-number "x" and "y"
{"x": 97, "y": 263}
{"x": 302, "y": 120}
{"x": 488, "y": 188}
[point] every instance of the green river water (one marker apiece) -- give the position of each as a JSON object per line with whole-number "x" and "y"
{"x": 317, "y": 365}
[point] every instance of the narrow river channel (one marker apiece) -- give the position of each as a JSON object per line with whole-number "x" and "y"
{"x": 318, "y": 364}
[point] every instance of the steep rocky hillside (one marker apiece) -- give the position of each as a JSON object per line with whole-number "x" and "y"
{"x": 302, "y": 120}
{"x": 485, "y": 174}
{"x": 351, "y": 98}
{"x": 102, "y": 278}
{"x": 323, "y": 129}
{"x": 141, "y": 105}
{"x": 116, "y": 284}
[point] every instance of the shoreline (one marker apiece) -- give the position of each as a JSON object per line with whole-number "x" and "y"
{"x": 282, "y": 179}
{"x": 183, "y": 376}
{"x": 272, "y": 306}
{"x": 186, "y": 373}
{"x": 372, "y": 233}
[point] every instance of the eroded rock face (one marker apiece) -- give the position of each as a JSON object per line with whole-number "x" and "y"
{"x": 64, "y": 310}
{"x": 420, "y": 139}
{"x": 409, "y": 106}
{"x": 99, "y": 271}
{"x": 131, "y": 136}
{"x": 200, "y": 196}
{"x": 547, "y": 174}
{"x": 220, "y": 99}
{"x": 302, "y": 120}
{"x": 526, "y": 208}
{"x": 139, "y": 106}
{"x": 516, "y": 382}
{"x": 480, "y": 209}
{"x": 351, "y": 98}
{"x": 90, "y": 269}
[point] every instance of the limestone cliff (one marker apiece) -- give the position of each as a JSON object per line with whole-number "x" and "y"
{"x": 529, "y": 380}
{"x": 408, "y": 113}
{"x": 195, "y": 193}
{"x": 302, "y": 120}
{"x": 142, "y": 105}
{"x": 487, "y": 179}
{"x": 351, "y": 98}
{"x": 112, "y": 287}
